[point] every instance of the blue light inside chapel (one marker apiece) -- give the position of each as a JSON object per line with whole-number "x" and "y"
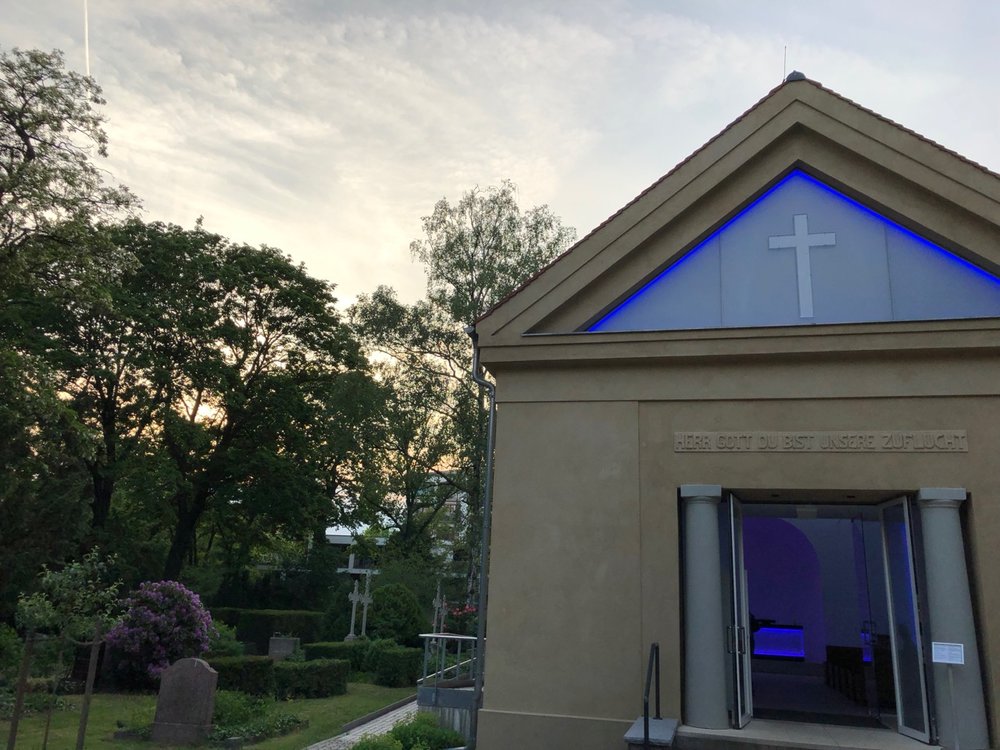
{"x": 858, "y": 266}
{"x": 781, "y": 642}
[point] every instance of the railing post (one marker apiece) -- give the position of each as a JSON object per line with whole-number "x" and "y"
{"x": 657, "y": 646}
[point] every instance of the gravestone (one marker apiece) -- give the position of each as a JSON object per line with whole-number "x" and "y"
{"x": 185, "y": 703}
{"x": 281, "y": 647}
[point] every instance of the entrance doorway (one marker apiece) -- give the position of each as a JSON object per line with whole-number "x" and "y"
{"x": 825, "y": 621}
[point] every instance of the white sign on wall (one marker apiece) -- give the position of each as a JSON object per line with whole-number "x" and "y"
{"x": 947, "y": 653}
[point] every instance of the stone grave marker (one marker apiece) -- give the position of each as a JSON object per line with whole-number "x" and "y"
{"x": 281, "y": 647}
{"x": 185, "y": 703}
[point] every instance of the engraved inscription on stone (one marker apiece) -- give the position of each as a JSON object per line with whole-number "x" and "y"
{"x": 826, "y": 441}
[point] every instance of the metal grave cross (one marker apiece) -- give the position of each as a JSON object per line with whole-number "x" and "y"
{"x": 355, "y": 597}
{"x": 439, "y": 608}
{"x": 365, "y": 600}
{"x": 802, "y": 241}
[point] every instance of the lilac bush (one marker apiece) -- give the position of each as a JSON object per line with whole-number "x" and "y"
{"x": 164, "y": 621}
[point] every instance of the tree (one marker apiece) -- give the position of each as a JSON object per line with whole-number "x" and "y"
{"x": 479, "y": 250}
{"x": 223, "y": 389}
{"x": 241, "y": 433}
{"x": 51, "y": 193}
{"x": 475, "y": 253}
{"x": 51, "y": 131}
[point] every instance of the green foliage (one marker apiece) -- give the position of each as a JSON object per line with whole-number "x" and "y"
{"x": 249, "y": 717}
{"x": 398, "y": 666}
{"x": 396, "y": 614}
{"x": 311, "y": 679}
{"x": 247, "y": 674}
{"x": 475, "y": 252}
{"x": 354, "y": 651}
{"x": 223, "y": 642}
{"x": 11, "y": 649}
{"x": 377, "y": 742}
{"x": 234, "y": 707}
{"x": 258, "y": 625}
{"x": 422, "y": 731}
{"x": 74, "y": 601}
{"x": 480, "y": 249}
{"x": 51, "y": 132}
{"x": 35, "y": 702}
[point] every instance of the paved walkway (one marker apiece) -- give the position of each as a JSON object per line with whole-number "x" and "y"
{"x": 381, "y": 725}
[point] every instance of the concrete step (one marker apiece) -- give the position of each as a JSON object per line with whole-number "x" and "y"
{"x": 787, "y": 735}
{"x": 661, "y": 733}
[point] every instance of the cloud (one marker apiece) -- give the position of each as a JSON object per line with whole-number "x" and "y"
{"x": 329, "y": 128}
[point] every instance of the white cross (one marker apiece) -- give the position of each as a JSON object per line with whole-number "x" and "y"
{"x": 802, "y": 241}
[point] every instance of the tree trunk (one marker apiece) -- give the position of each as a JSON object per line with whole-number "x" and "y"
{"x": 22, "y": 684}
{"x": 104, "y": 488}
{"x": 88, "y": 692}
{"x": 184, "y": 535}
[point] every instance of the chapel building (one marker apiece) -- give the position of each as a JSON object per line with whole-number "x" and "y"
{"x": 754, "y": 417}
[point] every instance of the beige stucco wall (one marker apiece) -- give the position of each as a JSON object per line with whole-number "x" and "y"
{"x": 585, "y": 571}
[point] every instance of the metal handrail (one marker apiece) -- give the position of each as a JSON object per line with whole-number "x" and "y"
{"x": 436, "y": 654}
{"x": 442, "y": 674}
{"x": 654, "y": 658}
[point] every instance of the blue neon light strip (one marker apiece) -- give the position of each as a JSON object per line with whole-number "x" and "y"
{"x": 778, "y": 641}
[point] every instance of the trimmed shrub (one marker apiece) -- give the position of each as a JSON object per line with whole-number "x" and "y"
{"x": 376, "y": 647}
{"x": 423, "y": 731}
{"x": 258, "y": 625}
{"x": 354, "y": 651}
{"x": 253, "y": 675}
{"x": 311, "y": 679}
{"x": 396, "y": 614}
{"x": 164, "y": 621}
{"x": 224, "y": 642}
{"x": 398, "y": 666}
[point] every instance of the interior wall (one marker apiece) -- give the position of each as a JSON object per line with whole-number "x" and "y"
{"x": 833, "y": 541}
{"x": 784, "y": 579}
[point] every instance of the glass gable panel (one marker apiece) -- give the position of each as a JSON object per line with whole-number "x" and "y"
{"x": 805, "y": 254}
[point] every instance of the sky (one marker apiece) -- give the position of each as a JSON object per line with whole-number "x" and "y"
{"x": 328, "y": 129}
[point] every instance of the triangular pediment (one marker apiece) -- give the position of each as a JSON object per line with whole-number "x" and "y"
{"x": 807, "y": 210}
{"x": 806, "y": 254}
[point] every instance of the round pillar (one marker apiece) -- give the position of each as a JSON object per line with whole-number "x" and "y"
{"x": 958, "y": 698}
{"x": 705, "y": 664}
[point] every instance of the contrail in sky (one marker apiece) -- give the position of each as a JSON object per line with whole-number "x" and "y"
{"x": 86, "y": 39}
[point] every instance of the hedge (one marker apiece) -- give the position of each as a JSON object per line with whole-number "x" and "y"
{"x": 258, "y": 625}
{"x": 247, "y": 674}
{"x": 398, "y": 666}
{"x": 354, "y": 651}
{"x": 320, "y": 678}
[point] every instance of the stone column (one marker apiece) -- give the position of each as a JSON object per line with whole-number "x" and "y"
{"x": 705, "y": 661}
{"x": 949, "y": 605}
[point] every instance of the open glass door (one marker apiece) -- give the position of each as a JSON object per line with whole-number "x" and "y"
{"x": 904, "y": 622}
{"x": 738, "y": 632}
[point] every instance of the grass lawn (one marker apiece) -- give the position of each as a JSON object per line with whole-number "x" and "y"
{"x": 325, "y": 715}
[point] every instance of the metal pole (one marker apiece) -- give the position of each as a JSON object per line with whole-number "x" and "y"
{"x": 484, "y": 550}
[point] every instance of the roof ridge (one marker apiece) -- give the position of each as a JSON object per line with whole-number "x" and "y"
{"x": 510, "y": 295}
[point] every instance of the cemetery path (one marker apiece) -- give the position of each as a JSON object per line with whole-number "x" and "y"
{"x": 381, "y": 725}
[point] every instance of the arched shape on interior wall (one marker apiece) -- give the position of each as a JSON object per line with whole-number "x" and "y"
{"x": 785, "y": 580}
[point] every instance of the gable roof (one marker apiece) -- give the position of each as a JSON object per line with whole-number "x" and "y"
{"x": 800, "y": 124}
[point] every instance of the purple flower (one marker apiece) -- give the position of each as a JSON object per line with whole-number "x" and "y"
{"x": 164, "y": 621}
